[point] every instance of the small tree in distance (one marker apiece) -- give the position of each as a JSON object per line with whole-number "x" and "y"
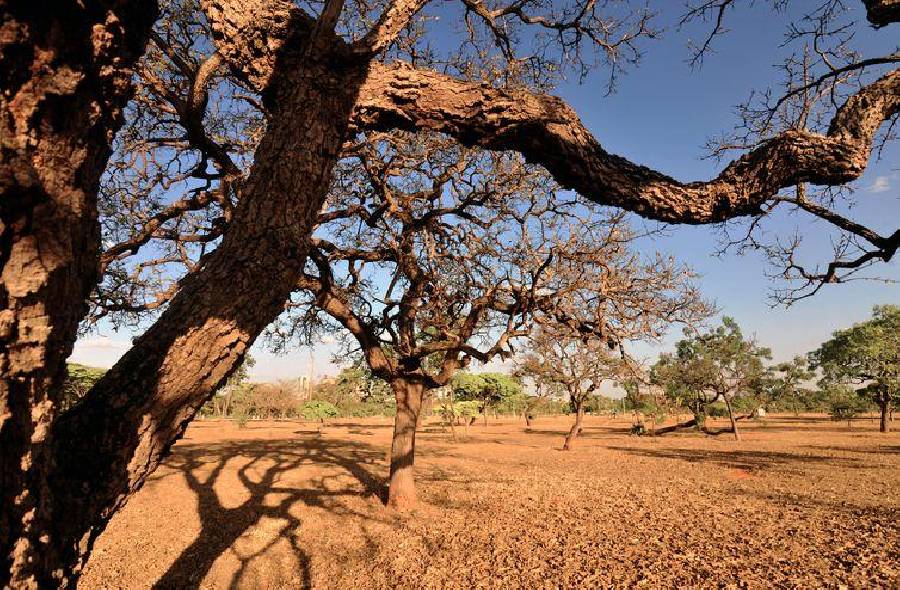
{"x": 577, "y": 364}
{"x": 489, "y": 389}
{"x": 719, "y": 365}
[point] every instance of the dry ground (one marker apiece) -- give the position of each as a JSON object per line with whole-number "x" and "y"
{"x": 801, "y": 502}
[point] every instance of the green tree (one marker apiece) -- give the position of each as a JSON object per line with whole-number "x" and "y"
{"x": 782, "y": 387}
{"x": 719, "y": 365}
{"x": 79, "y": 380}
{"x": 358, "y": 392}
{"x": 318, "y": 410}
{"x": 491, "y": 390}
{"x": 867, "y": 356}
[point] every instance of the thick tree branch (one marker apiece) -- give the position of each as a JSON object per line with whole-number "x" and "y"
{"x": 882, "y": 12}
{"x": 548, "y": 132}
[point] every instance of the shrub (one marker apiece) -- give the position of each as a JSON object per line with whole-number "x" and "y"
{"x": 318, "y": 410}
{"x": 845, "y": 410}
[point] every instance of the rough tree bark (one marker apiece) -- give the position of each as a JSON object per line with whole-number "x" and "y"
{"x": 402, "y": 487}
{"x": 65, "y": 76}
{"x": 576, "y": 427}
{"x": 882, "y": 12}
{"x": 109, "y": 443}
{"x": 548, "y": 132}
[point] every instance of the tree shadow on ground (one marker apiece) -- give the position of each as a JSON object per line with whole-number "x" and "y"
{"x": 592, "y": 431}
{"x": 856, "y": 510}
{"x": 872, "y": 449}
{"x": 745, "y": 459}
{"x": 264, "y": 462}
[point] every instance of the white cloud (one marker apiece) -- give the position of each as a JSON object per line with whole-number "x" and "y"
{"x": 103, "y": 343}
{"x": 98, "y": 351}
{"x": 882, "y": 184}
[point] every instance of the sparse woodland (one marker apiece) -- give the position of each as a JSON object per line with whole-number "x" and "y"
{"x": 224, "y": 170}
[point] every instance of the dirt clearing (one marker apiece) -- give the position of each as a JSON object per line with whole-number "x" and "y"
{"x": 801, "y": 502}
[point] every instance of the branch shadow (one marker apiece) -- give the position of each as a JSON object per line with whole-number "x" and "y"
{"x": 744, "y": 459}
{"x": 265, "y": 462}
{"x": 872, "y": 450}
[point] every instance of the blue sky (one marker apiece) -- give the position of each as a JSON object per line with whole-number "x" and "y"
{"x": 660, "y": 116}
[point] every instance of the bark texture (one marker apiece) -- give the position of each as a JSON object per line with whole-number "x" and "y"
{"x": 548, "y": 132}
{"x": 402, "y": 487}
{"x": 882, "y": 12}
{"x": 884, "y": 424}
{"x": 108, "y": 444}
{"x": 576, "y": 428}
{"x": 65, "y": 76}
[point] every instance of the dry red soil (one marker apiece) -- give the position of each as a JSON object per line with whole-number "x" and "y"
{"x": 801, "y": 502}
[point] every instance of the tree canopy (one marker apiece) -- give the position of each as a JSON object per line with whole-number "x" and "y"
{"x": 720, "y": 364}
{"x": 867, "y": 355}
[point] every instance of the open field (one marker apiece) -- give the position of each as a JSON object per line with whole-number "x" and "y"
{"x": 801, "y": 502}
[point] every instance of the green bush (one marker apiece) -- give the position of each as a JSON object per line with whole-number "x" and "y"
{"x": 318, "y": 410}
{"x": 846, "y": 409}
{"x": 717, "y": 410}
{"x": 365, "y": 409}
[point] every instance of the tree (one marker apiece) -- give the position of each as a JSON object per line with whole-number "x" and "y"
{"x": 357, "y": 392}
{"x": 868, "y": 356}
{"x": 574, "y": 362}
{"x": 79, "y": 380}
{"x": 428, "y": 256}
{"x": 318, "y": 78}
{"x": 452, "y": 411}
{"x": 782, "y": 386}
{"x": 719, "y": 365}
{"x": 646, "y": 399}
{"x": 489, "y": 389}
{"x": 318, "y": 410}
{"x": 276, "y": 401}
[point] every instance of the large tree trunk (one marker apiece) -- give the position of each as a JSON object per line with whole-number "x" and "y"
{"x": 402, "y": 488}
{"x": 106, "y": 446}
{"x": 576, "y": 427}
{"x": 65, "y": 74}
{"x": 885, "y": 405}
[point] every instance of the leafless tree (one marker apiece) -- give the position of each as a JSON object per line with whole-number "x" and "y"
{"x": 315, "y": 74}
{"x": 429, "y": 255}
{"x": 576, "y": 364}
